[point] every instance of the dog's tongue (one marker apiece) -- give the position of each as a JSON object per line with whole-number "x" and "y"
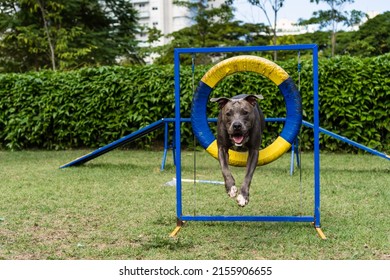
{"x": 238, "y": 139}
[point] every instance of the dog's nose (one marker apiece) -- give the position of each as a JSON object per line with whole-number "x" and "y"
{"x": 237, "y": 126}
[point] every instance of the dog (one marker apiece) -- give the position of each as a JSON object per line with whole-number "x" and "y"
{"x": 240, "y": 125}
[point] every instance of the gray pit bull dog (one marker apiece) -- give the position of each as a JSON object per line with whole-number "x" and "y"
{"x": 240, "y": 125}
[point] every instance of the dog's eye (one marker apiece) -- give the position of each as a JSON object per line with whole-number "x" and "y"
{"x": 245, "y": 113}
{"x": 228, "y": 114}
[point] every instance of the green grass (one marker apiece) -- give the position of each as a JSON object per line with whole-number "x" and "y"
{"x": 118, "y": 207}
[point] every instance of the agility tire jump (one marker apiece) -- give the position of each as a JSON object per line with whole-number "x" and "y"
{"x": 270, "y": 70}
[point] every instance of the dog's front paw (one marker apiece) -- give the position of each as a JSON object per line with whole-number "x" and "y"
{"x": 232, "y": 192}
{"x": 241, "y": 200}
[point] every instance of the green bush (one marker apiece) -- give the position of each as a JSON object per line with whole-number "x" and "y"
{"x": 95, "y": 106}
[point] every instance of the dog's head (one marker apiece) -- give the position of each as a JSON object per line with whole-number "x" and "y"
{"x": 238, "y": 116}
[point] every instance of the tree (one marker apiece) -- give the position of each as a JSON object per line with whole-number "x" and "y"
{"x": 213, "y": 27}
{"x": 148, "y": 50}
{"x": 121, "y": 30}
{"x": 333, "y": 17}
{"x": 276, "y": 5}
{"x": 206, "y": 18}
{"x": 36, "y": 34}
{"x": 27, "y": 32}
{"x": 372, "y": 38}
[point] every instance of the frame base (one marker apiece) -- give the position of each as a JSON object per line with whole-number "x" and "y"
{"x": 181, "y": 223}
{"x": 320, "y": 233}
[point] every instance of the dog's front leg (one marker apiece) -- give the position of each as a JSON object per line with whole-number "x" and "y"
{"x": 230, "y": 184}
{"x": 243, "y": 197}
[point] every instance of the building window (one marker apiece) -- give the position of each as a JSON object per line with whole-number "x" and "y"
{"x": 155, "y": 23}
{"x": 155, "y": 8}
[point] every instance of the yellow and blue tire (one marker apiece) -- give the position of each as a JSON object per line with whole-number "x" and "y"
{"x": 266, "y": 68}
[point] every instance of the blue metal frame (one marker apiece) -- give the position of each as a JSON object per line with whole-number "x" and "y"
{"x": 179, "y": 210}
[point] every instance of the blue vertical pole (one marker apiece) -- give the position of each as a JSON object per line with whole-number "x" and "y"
{"x": 177, "y": 134}
{"x": 317, "y": 217}
{"x": 174, "y": 149}
{"x": 166, "y": 145}
{"x": 292, "y": 159}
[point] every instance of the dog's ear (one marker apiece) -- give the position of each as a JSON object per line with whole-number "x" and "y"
{"x": 252, "y": 99}
{"x": 221, "y": 101}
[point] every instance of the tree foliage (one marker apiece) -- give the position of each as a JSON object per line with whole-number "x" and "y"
{"x": 372, "y": 38}
{"x": 69, "y": 34}
{"x": 212, "y": 27}
{"x": 62, "y": 34}
{"x": 334, "y": 16}
{"x": 275, "y": 5}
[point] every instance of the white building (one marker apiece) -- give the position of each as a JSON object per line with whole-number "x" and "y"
{"x": 165, "y": 16}
{"x": 288, "y": 27}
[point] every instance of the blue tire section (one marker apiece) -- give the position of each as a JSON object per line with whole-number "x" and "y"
{"x": 293, "y": 101}
{"x": 199, "y": 122}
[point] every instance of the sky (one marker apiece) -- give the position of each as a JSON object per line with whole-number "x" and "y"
{"x": 295, "y": 9}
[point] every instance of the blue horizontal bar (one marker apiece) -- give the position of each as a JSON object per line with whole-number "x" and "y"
{"x": 249, "y": 218}
{"x": 158, "y": 124}
{"x": 215, "y": 119}
{"x": 247, "y": 48}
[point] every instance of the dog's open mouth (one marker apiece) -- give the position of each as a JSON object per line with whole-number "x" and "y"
{"x": 238, "y": 139}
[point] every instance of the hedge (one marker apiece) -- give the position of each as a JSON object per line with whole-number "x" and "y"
{"x": 94, "y": 106}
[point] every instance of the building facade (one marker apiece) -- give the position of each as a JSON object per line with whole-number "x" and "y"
{"x": 165, "y": 16}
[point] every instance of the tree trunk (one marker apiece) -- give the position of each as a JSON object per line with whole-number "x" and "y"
{"x": 47, "y": 31}
{"x": 333, "y": 43}
{"x": 333, "y": 39}
{"x": 275, "y": 38}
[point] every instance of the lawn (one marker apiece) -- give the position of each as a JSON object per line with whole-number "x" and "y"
{"x": 118, "y": 207}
